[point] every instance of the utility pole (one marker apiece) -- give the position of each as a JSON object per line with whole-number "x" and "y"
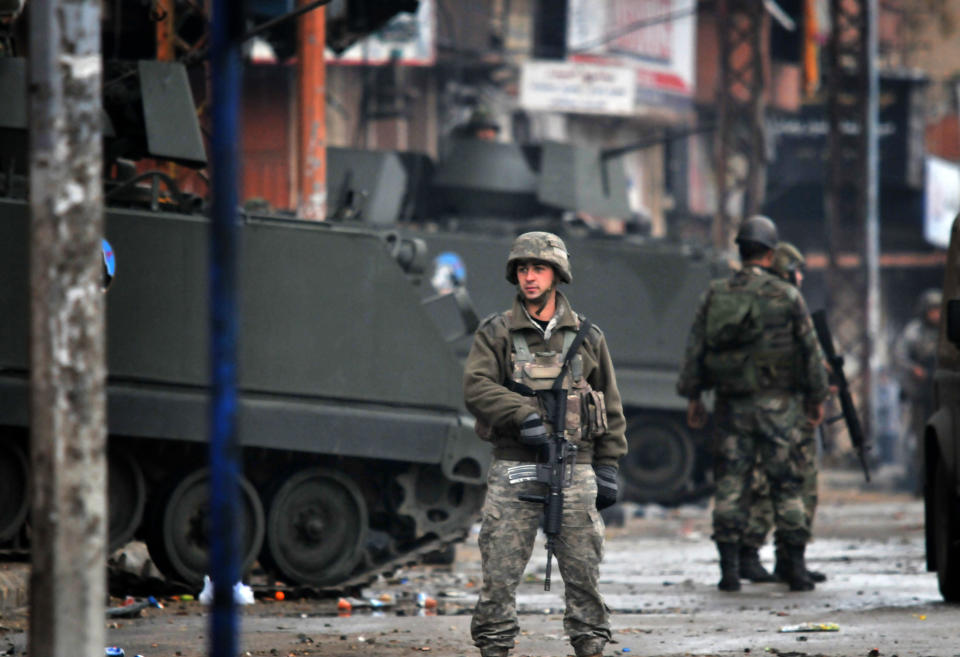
{"x": 742, "y": 26}
{"x": 226, "y": 36}
{"x": 311, "y": 96}
{"x": 67, "y": 371}
{"x": 872, "y": 219}
{"x": 851, "y": 189}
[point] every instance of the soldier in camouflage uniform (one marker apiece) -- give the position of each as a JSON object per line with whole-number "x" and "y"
{"x": 788, "y": 263}
{"x": 525, "y": 345}
{"x": 752, "y": 341}
{"x": 915, "y": 354}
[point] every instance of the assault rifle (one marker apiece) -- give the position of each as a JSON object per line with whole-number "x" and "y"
{"x": 556, "y": 471}
{"x": 849, "y": 411}
{"x": 557, "y": 456}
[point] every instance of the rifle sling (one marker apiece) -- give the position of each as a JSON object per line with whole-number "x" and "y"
{"x": 555, "y": 402}
{"x": 571, "y": 352}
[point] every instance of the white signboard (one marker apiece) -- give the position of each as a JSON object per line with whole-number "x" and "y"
{"x": 577, "y": 88}
{"x": 656, "y": 38}
{"x": 942, "y": 202}
{"x": 409, "y": 38}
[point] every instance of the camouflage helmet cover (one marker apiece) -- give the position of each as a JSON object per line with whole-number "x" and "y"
{"x": 542, "y": 246}
{"x": 759, "y": 229}
{"x": 786, "y": 259}
{"x": 931, "y": 298}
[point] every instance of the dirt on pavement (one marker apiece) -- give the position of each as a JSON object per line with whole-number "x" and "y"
{"x": 659, "y": 578}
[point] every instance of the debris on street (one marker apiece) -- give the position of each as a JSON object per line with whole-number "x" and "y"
{"x": 132, "y": 608}
{"x": 811, "y": 627}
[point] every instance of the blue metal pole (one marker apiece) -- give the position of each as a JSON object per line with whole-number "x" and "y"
{"x": 225, "y": 63}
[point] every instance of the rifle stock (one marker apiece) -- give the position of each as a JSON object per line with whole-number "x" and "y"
{"x": 847, "y": 406}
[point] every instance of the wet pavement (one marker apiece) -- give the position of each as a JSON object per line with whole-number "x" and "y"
{"x": 659, "y": 578}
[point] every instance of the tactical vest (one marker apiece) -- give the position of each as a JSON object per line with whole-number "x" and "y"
{"x": 586, "y": 416}
{"x": 749, "y": 342}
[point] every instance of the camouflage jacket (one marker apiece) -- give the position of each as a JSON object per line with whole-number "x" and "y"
{"x": 488, "y": 369}
{"x": 786, "y": 320}
{"x": 916, "y": 347}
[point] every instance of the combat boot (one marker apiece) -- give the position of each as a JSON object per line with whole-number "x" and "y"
{"x": 729, "y": 566}
{"x": 781, "y": 563}
{"x": 780, "y": 568}
{"x": 750, "y": 566}
{"x": 494, "y": 651}
{"x": 796, "y": 571}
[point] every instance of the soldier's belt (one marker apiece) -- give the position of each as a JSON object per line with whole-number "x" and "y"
{"x": 528, "y": 455}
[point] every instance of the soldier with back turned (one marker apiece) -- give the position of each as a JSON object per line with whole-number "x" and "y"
{"x": 753, "y": 343}
{"x": 788, "y": 263}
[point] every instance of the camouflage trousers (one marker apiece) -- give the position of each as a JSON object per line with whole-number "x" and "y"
{"x": 759, "y": 504}
{"x": 506, "y": 542}
{"x": 758, "y": 432}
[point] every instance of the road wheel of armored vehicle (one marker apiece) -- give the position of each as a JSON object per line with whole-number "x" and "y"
{"x": 126, "y": 497}
{"x": 14, "y": 489}
{"x": 444, "y": 557}
{"x": 316, "y": 527}
{"x": 946, "y": 533}
{"x": 178, "y": 537}
{"x": 660, "y": 460}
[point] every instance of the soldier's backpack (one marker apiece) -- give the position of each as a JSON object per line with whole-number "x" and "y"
{"x": 734, "y": 328}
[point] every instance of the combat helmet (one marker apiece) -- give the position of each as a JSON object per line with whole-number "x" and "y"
{"x": 481, "y": 118}
{"x": 543, "y": 246}
{"x": 931, "y": 298}
{"x": 758, "y": 229}
{"x": 787, "y": 260}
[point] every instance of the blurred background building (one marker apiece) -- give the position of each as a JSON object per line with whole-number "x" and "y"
{"x": 612, "y": 72}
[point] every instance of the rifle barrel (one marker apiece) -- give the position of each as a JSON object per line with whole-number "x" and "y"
{"x": 847, "y": 407}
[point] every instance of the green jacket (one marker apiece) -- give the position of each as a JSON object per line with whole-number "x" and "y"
{"x": 786, "y": 323}
{"x": 488, "y": 370}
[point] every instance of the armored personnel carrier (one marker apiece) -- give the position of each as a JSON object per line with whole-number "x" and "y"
{"x": 941, "y": 440}
{"x": 357, "y": 452}
{"x": 470, "y": 205}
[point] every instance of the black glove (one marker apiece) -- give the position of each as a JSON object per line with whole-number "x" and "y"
{"x": 606, "y": 485}
{"x": 532, "y": 431}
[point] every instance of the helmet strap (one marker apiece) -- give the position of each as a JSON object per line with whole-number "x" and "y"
{"x": 537, "y": 306}
{"x": 545, "y": 298}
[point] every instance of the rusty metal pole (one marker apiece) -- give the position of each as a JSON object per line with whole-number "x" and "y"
{"x": 166, "y": 30}
{"x": 850, "y": 192}
{"x": 68, "y": 406}
{"x": 311, "y": 89}
{"x": 755, "y": 185}
{"x": 722, "y": 222}
{"x": 740, "y": 163}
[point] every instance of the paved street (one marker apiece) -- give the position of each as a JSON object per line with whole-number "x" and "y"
{"x": 659, "y": 578}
